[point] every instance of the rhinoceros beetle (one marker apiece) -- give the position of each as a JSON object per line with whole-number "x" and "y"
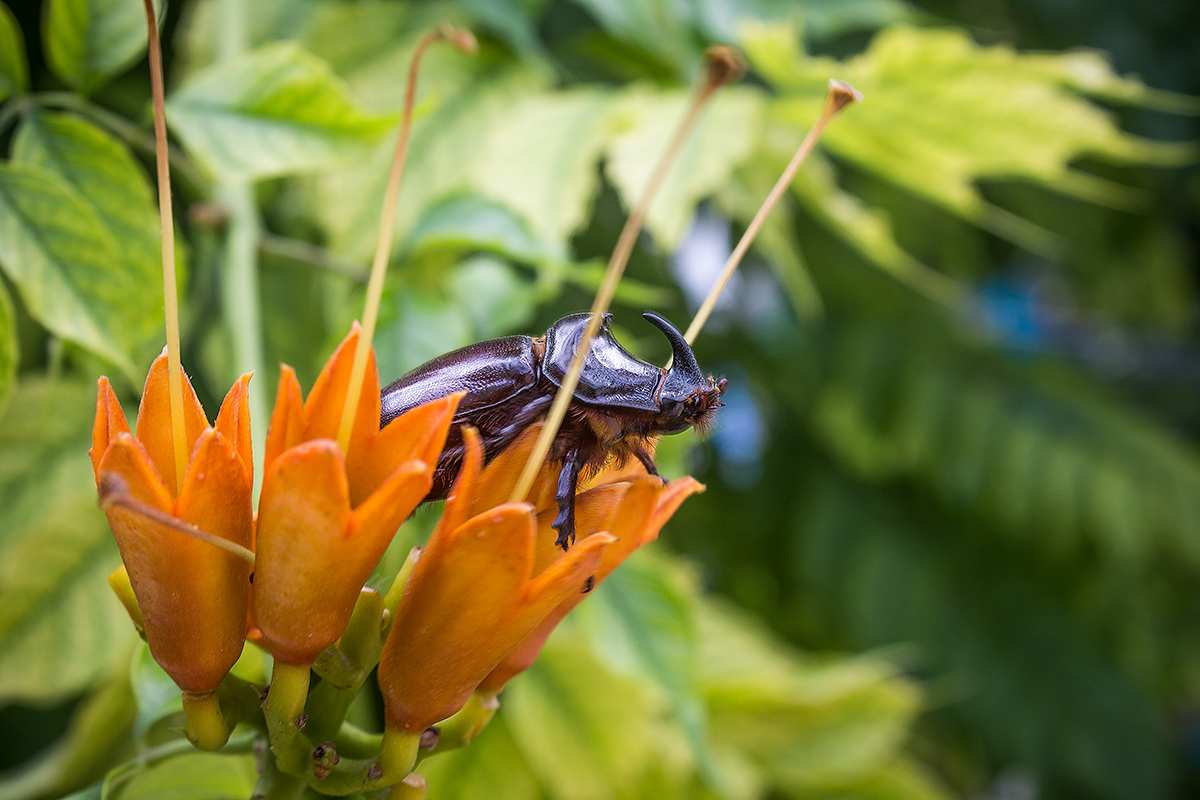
{"x": 618, "y": 405}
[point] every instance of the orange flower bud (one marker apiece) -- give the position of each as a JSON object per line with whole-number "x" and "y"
{"x": 193, "y": 596}
{"x": 472, "y": 596}
{"x": 325, "y": 517}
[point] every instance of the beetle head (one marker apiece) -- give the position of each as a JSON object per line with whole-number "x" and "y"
{"x": 686, "y": 397}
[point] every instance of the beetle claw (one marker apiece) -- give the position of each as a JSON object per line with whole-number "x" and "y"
{"x": 566, "y": 532}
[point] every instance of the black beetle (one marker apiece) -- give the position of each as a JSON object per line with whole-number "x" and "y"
{"x": 619, "y": 404}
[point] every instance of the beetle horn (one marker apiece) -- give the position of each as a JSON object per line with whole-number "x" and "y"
{"x": 684, "y": 376}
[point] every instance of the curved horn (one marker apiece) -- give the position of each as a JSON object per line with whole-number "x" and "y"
{"x": 684, "y": 376}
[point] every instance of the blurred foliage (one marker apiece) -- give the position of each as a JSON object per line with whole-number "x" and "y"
{"x": 961, "y": 431}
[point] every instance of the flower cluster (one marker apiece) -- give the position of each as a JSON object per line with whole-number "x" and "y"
{"x": 477, "y": 605}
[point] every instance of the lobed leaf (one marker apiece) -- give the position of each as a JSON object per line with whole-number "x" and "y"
{"x": 725, "y": 137}
{"x": 941, "y": 113}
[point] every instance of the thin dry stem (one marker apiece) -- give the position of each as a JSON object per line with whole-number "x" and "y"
{"x": 721, "y": 67}
{"x": 464, "y": 41}
{"x": 838, "y": 97}
{"x": 170, "y": 291}
{"x": 114, "y": 492}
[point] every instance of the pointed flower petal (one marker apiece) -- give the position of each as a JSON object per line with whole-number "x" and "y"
{"x": 154, "y": 428}
{"x": 193, "y": 596}
{"x": 325, "y": 517}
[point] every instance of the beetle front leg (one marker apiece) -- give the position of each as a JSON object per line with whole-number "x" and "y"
{"x": 648, "y": 463}
{"x": 568, "y": 480}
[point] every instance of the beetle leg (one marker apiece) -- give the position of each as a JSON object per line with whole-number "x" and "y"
{"x": 498, "y": 440}
{"x": 648, "y": 463}
{"x": 523, "y": 419}
{"x": 568, "y": 480}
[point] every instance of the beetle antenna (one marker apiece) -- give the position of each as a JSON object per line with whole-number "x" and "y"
{"x": 838, "y": 97}
{"x": 170, "y": 290}
{"x": 463, "y": 40}
{"x": 723, "y": 65}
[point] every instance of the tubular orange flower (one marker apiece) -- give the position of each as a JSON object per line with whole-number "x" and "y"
{"x": 626, "y": 504}
{"x": 324, "y": 517}
{"x": 193, "y": 596}
{"x": 473, "y": 595}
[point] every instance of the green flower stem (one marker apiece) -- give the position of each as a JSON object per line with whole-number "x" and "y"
{"x": 392, "y": 601}
{"x": 245, "y": 700}
{"x": 320, "y": 765}
{"x": 462, "y": 728}
{"x": 398, "y": 755}
{"x": 207, "y": 727}
{"x": 275, "y": 785}
{"x": 283, "y": 708}
{"x": 344, "y": 668}
{"x": 352, "y": 741}
{"x": 362, "y": 641}
{"x": 413, "y": 787}
{"x": 327, "y": 709}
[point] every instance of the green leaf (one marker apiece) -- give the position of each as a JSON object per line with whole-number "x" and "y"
{"x": 809, "y": 725}
{"x": 1008, "y": 636}
{"x": 68, "y": 266}
{"x": 194, "y": 776}
{"x": 995, "y": 114}
{"x": 584, "y": 731}
{"x": 97, "y": 735}
{"x": 641, "y": 622}
{"x": 491, "y": 767}
{"x": 660, "y": 27}
{"x": 113, "y": 185}
{"x": 540, "y": 159}
{"x": 275, "y": 111}
{"x": 470, "y": 222}
{"x": 415, "y": 326}
{"x": 8, "y": 346}
{"x": 1052, "y": 464}
{"x": 59, "y": 625}
{"x": 497, "y": 300}
{"x": 14, "y": 71}
{"x": 89, "y": 41}
{"x": 155, "y": 693}
{"x": 724, "y": 138}
{"x": 441, "y": 160}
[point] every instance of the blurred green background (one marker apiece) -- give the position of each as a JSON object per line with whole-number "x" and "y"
{"x": 951, "y": 539}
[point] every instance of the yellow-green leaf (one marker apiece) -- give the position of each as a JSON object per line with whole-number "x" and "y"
{"x": 940, "y": 113}
{"x": 724, "y": 137}
{"x": 275, "y": 111}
